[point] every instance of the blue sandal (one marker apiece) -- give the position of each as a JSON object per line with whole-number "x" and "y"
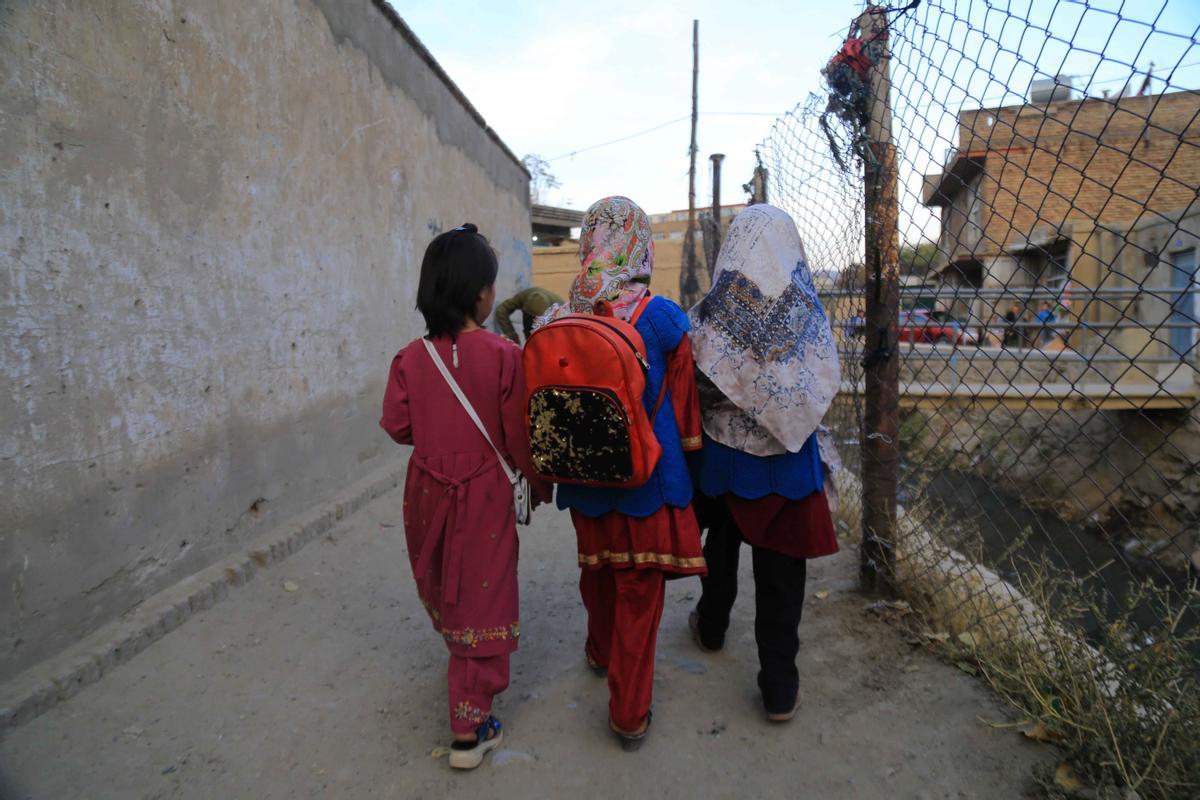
{"x": 469, "y": 755}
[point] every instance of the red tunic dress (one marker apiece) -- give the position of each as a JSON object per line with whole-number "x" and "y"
{"x": 459, "y": 519}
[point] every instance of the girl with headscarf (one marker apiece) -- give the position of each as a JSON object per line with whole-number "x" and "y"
{"x": 767, "y": 371}
{"x": 632, "y": 540}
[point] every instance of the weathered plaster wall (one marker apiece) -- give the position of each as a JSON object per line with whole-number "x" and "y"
{"x": 211, "y": 222}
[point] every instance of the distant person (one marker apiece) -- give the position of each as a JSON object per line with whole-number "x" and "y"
{"x": 1012, "y": 331}
{"x": 848, "y": 328}
{"x": 858, "y": 323}
{"x": 1045, "y": 316}
{"x": 994, "y": 334}
{"x": 459, "y": 517}
{"x": 531, "y": 302}
{"x": 759, "y": 476}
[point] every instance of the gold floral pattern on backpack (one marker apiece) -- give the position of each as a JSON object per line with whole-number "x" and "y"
{"x": 579, "y": 434}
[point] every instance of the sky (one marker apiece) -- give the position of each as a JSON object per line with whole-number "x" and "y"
{"x": 555, "y": 78}
{"x": 604, "y": 91}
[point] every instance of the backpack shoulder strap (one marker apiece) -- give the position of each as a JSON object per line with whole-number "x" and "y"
{"x": 662, "y": 393}
{"x": 466, "y": 405}
{"x": 641, "y": 306}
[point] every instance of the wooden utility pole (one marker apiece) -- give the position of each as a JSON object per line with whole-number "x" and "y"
{"x": 881, "y": 445}
{"x": 689, "y": 281}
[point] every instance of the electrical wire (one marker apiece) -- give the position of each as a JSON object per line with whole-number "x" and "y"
{"x": 662, "y": 125}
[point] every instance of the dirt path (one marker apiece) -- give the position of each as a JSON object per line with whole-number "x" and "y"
{"x": 337, "y": 689}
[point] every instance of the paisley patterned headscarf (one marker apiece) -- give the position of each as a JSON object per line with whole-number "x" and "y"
{"x": 616, "y": 254}
{"x": 762, "y": 338}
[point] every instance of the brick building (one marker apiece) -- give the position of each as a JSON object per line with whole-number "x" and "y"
{"x": 1096, "y": 192}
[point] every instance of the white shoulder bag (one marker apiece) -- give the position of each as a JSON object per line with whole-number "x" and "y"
{"x": 520, "y": 485}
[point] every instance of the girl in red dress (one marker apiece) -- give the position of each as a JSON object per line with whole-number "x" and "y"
{"x": 632, "y": 540}
{"x": 459, "y": 518}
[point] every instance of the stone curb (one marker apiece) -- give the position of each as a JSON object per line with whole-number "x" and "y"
{"x": 33, "y": 692}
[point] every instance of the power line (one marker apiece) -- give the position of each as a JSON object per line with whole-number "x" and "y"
{"x": 924, "y": 106}
{"x": 622, "y": 139}
{"x": 663, "y": 125}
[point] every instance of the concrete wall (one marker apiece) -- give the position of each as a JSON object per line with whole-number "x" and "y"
{"x": 211, "y": 222}
{"x": 1132, "y": 475}
{"x": 1137, "y": 259}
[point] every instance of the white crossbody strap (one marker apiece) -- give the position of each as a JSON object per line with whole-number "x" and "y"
{"x": 466, "y": 404}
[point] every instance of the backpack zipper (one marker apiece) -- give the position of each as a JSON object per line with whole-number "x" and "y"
{"x": 640, "y": 358}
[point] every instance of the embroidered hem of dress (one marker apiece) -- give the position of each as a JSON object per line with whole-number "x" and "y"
{"x": 429, "y": 609}
{"x": 662, "y": 559}
{"x": 471, "y": 713}
{"x": 471, "y": 637}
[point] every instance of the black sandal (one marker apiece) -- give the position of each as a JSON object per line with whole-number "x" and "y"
{"x": 783, "y": 716}
{"x": 694, "y": 626}
{"x": 598, "y": 669}
{"x": 632, "y": 741}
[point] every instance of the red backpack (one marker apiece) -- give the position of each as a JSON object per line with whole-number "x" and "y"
{"x": 587, "y": 424}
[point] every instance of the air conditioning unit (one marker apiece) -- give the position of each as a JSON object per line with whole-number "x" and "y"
{"x": 1044, "y": 91}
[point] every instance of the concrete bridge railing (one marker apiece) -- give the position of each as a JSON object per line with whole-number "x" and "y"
{"x": 1040, "y": 378}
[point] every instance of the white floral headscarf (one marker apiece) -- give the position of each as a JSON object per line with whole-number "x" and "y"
{"x": 761, "y": 336}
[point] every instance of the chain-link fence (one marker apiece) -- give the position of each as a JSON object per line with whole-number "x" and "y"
{"x": 1001, "y": 202}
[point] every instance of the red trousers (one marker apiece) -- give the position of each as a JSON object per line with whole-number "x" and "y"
{"x": 624, "y": 607}
{"x": 473, "y": 684}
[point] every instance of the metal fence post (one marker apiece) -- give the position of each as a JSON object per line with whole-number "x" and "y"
{"x": 716, "y": 159}
{"x": 880, "y": 439}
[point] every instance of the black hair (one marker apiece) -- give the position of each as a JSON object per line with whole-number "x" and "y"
{"x": 458, "y": 265}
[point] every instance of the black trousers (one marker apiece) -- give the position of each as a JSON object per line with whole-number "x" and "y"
{"x": 778, "y": 602}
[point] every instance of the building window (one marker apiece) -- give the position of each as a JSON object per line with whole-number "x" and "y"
{"x": 1183, "y": 319}
{"x": 975, "y": 213}
{"x": 1047, "y": 265}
